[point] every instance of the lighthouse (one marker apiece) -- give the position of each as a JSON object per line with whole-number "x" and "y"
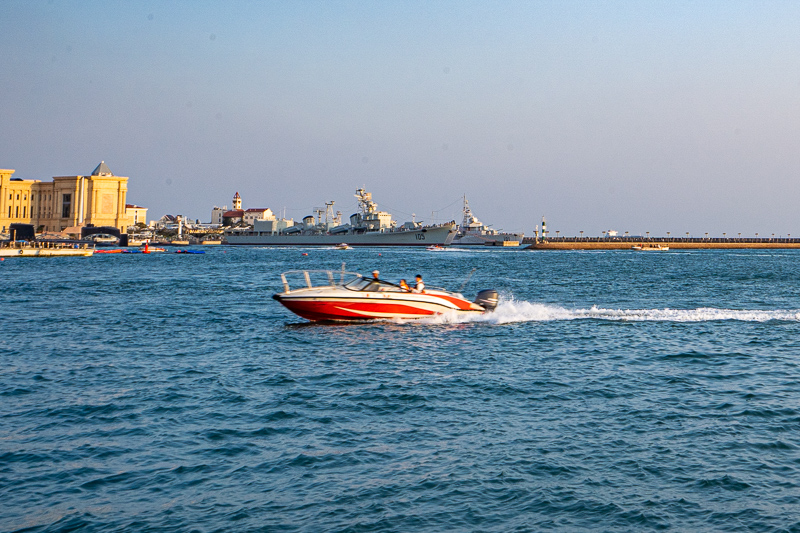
{"x": 237, "y": 201}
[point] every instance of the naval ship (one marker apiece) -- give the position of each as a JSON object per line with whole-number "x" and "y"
{"x": 367, "y": 227}
{"x": 473, "y": 232}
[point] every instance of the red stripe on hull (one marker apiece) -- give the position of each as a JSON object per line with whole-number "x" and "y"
{"x": 343, "y": 310}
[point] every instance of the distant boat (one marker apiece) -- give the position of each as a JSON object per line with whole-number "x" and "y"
{"x": 474, "y": 232}
{"x": 343, "y": 246}
{"x": 44, "y": 249}
{"x": 436, "y": 248}
{"x": 650, "y": 247}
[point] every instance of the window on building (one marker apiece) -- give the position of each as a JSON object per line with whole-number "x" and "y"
{"x": 16, "y": 212}
{"x": 24, "y": 211}
{"x": 9, "y": 211}
{"x": 66, "y": 206}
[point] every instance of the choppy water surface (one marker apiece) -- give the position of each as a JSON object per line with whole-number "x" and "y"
{"x": 612, "y": 391}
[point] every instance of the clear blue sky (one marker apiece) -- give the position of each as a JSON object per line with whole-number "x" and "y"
{"x": 635, "y": 116}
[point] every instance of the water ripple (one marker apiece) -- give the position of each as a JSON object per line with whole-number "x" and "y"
{"x": 600, "y": 396}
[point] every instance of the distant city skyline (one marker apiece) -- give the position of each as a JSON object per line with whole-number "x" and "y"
{"x": 632, "y": 116}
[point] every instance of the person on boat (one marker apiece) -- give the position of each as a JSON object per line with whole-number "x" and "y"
{"x": 375, "y": 282}
{"x": 404, "y": 285}
{"x": 420, "y": 286}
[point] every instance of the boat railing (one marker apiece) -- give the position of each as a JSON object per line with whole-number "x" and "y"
{"x": 317, "y": 278}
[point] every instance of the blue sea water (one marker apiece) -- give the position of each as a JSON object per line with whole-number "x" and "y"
{"x": 610, "y": 391}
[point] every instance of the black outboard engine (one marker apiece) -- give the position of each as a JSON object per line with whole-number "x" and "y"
{"x": 487, "y": 298}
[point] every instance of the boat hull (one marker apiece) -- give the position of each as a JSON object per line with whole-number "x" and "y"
{"x": 317, "y": 306}
{"x": 29, "y": 251}
{"x": 441, "y": 235}
{"x": 472, "y": 239}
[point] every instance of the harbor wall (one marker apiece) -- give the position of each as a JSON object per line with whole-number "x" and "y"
{"x": 625, "y": 243}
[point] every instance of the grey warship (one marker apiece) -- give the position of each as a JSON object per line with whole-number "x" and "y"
{"x": 367, "y": 227}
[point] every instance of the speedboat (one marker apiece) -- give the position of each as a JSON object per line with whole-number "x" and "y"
{"x": 327, "y": 295}
{"x": 343, "y": 246}
{"x": 436, "y": 248}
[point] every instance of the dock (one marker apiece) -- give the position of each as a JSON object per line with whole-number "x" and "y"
{"x": 674, "y": 243}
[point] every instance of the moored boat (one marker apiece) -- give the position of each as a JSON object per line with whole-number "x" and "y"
{"x": 650, "y": 247}
{"x": 347, "y": 296}
{"x": 44, "y": 249}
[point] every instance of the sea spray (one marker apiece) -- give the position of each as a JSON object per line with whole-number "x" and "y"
{"x": 513, "y": 311}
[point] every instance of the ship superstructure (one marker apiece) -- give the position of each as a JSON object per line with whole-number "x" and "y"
{"x": 473, "y": 232}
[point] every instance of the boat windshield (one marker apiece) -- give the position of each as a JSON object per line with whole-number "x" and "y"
{"x": 364, "y": 284}
{"x": 357, "y": 284}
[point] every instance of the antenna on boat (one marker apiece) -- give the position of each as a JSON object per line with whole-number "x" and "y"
{"x": 466, "y": 280}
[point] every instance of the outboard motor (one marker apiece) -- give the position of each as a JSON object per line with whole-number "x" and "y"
{"x": 487, "y": 298}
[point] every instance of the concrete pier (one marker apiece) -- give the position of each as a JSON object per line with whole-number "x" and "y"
{"x": 680, "y": 243}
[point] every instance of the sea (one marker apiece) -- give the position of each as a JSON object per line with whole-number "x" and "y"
{"x": 610, "y": 391}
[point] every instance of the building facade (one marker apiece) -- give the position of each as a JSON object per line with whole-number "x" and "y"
{"x": 67, "y": 202}
{"x": 136, "y": 214}
{"x": 253, "y": 214}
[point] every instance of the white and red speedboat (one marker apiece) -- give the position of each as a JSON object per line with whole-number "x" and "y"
{"x": 353, "y": 297}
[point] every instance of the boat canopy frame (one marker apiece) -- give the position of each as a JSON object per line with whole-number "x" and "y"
{"x": 327, "y": 275}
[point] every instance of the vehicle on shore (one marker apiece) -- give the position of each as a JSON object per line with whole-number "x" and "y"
{"x": 347, "y": 296}
{"x": 367, "y": 227}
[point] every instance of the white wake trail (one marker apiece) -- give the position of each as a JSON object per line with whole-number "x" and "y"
{"x": 516, "y": 311}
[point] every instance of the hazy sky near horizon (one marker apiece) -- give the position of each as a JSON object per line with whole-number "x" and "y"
{"x": 635, "y": 116}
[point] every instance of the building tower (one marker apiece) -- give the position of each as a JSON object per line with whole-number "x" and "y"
{"x": 237, "y": 201}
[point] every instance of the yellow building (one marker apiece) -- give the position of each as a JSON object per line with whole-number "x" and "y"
{"x": 136, "y": 214}
{"x": 66, "y": 203}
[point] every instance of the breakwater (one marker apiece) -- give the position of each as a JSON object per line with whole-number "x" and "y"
{"x": 685, "y": 243}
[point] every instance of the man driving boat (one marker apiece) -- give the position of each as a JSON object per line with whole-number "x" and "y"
{"x": 420, "y": 286}
{"x": 375, "y": 283}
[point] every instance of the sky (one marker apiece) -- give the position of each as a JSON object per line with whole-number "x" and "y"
{"x": 680, "y": 116}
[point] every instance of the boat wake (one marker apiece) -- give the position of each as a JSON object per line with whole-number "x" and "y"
{"x": 516, "y": 311}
